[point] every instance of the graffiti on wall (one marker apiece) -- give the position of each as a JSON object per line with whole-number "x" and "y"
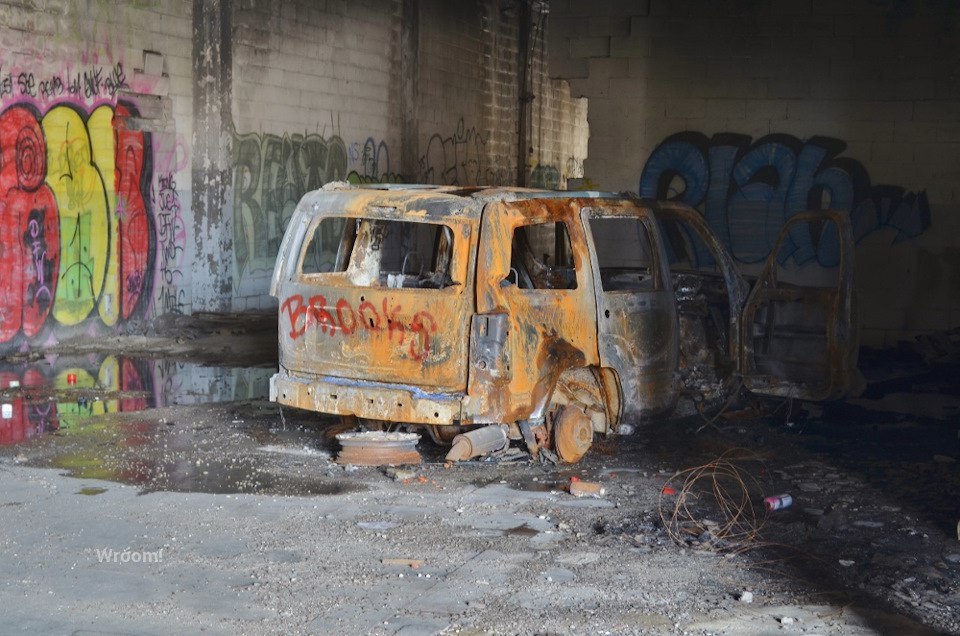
{"x": 371, "y": 163}
{"x": 86, "y": 84}
{"x": 171, "y": 242}
{"x": 270, "y": 175}
{"x": 747, "y": 191}
{"x": 460, "y": 159}
{"x": 75, "y": 227}
{"x": 545, "y": 177}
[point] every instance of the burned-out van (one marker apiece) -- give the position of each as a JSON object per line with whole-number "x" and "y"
{"x": 551, "y": 316}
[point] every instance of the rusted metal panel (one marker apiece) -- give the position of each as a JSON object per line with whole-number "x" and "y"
{"x": 637, "y": 328}
{"x": 366, "y": 399}
{"x": 344, "y": 324}
{"x": 550, "y": 330}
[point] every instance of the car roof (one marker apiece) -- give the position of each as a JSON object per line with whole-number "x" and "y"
{"x": 431, "y": 202}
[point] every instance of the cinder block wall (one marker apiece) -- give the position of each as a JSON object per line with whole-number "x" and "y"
{"x": 95, "y": 134}
{"x": 757, "y": 109}
{"x": 383, "y": 91}
{"x": 151, "y": 153}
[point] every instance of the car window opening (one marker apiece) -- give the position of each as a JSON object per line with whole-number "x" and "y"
{"x": 382, "y": 253}
{"x": 541, "y": 258}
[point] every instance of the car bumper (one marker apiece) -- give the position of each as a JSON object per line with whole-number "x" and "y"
{"x": 366, "y": 399}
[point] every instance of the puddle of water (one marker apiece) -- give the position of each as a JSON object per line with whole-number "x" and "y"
{"x": 91, "y": 491}
{"x": 522, "y": 531}
{"x": 60, "y": 392}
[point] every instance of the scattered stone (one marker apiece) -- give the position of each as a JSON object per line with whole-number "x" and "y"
{"x": 378, "y": 525}
{"x": 745, "y": 597}
{"x": 868, "y": 524}
{"x": 952, "y": 558}
{"x": 400, "y": 474}
{"x": 846, "y": 562}
{"x": 835, "y": 519}
{"x": 786, "y": 620}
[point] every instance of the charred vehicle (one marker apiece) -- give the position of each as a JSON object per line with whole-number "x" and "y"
{"x": 490, "y": 314}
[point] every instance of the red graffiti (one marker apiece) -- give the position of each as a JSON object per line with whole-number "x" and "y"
{"x": 29, "y": 228}
{"x": 341, "y": 305}
{"x": 131, "y": 210}
{"x": 302, "y": 314}
{"x": 295, "y": 311}
{"x": 420, "y": 344}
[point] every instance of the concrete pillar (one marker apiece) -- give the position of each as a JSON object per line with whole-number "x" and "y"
{"x": 212, "y": 273}
{"x": 410, "y": 91}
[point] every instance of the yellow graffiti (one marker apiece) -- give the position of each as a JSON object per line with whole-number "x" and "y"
{"x": 100, "y": 126}
{"x": 85, "y": 232}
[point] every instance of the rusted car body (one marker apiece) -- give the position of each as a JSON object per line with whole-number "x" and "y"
{"x": 555, "y": 315}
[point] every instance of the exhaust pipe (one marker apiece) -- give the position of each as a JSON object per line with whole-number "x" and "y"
{"x": 478, "y": 442}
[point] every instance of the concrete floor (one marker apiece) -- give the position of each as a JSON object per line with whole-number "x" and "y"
{"x": 226, "y": 515}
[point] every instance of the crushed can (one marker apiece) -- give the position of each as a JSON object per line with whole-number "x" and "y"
{"x": 778, "y": 502}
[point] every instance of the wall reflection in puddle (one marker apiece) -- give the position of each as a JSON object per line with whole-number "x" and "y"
{"x": 59, "y": 391}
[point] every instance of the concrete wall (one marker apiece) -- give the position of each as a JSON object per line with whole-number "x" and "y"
{"x": 152, "y": 151}
{"x": 752, "y": 110}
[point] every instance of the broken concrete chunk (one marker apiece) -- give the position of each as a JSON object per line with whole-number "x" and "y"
{"x": 413, "y": 564}
{"x": 586, "y": 489}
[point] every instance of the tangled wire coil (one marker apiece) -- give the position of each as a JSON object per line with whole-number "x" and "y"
{"x": 718, "y": 488}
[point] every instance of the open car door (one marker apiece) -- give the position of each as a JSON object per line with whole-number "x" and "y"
{"x": 802, "y": 341}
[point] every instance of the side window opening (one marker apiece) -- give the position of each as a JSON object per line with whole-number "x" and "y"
{"x": 541, "y": 257}
{"x": 381, "y": 252}
{"x": 686, "y": 249}
{"x": 624, "y": 254}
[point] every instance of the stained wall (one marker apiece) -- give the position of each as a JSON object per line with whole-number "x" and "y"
{"x": 753, "y": 110}
{"x": 152, "y": 151}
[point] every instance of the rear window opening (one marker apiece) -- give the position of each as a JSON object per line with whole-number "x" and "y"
{"x": 381, "y": 252}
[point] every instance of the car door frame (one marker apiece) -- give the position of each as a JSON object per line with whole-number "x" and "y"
{"x": 646, "y": 369}
{"x": 841, "y": 324}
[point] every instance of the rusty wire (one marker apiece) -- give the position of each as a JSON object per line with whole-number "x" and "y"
{"x": 718, "y": 490}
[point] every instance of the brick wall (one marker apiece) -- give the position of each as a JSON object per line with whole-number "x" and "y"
{"x": 860, "y": 94}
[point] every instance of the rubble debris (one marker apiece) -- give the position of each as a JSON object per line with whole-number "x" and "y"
{"x": 413, "y": 564}
{"x": 400, "y": 474}
{"x": 377, "y": 448}
{"x": 478, "y": 442}
{"x": 580, "y": 488}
